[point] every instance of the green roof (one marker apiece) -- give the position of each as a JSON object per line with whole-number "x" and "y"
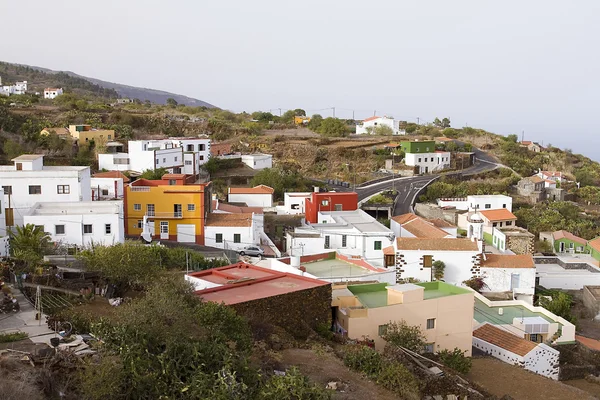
{"x": 483, "y": 313}
{"x": 375, "y": 294}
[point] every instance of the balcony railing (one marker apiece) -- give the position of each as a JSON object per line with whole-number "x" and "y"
{"x": 164, "y": 215}
{"x": 140, "y": 188}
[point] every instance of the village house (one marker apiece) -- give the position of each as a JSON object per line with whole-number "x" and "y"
{"x": 477, "y": 202}
{"x": 443, "y": 312}
{"x": 62, "y": 133}
{"x": 294, "y": 203}
{"x": 108, "y": 185}
{"x": 258, "y": 160}
{"x": 328, "y": 201}
{"x": 554, "y": 176}
{"x": 219, "y": 149}
{"x": 233, "y": 231}
{"x": 497, "y": 218}
{"x": 173, "y": 208}
{"x": 593, "y": 247}
{"x": 80, "y": 224}
{"x": 565, "y": 272}
{"x": 52, "y": 93}
{"x": 85, "y": 135}
{"x": 424, "y": 157}
{"x": 258, "y": 196}
{"x": 411, "y": 225}
{"x": 508, "y": 275}
{"x": 532, "y": 146}
{"x": 513, "y": 240}
{"x": 369, "y": 125}
{"x": 28, "y": 181}
{"x": 564, "y": 242}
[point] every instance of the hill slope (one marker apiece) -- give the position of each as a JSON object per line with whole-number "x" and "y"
{"x": 40, "y": 77}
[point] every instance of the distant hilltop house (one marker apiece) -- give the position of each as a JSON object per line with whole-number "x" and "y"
{"x": 17, "y": 88}
{"x": 301, "y": 120}
{"x": 423, "y": 156}
{"x": 370, "y": 125}
{"x": 84, "y": 134}
{"x": 62, "y": 133}
{"x": 52, "y": 93}
{"x": 538, "y": 188}
{"x": 532, "y": 146}
{"x": 124, "y": 101}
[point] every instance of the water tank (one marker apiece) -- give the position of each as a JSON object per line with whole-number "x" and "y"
{"x": 501, "y": 311}
{"x": 295, "y": 261}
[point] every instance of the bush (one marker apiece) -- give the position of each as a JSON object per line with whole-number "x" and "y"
{"x": 456, "y": 360}
{"x": 292, "y": 386}
{"x": 12, "y": 337}
{"x": 363, "y": 359}
{"x": 404, "y": 335}
{"x": 396, "y": 378}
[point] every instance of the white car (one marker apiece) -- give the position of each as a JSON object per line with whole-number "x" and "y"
{"x": 252, "y": 251}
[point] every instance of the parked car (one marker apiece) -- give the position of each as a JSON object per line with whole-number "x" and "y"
{"x": 252, "y": 251}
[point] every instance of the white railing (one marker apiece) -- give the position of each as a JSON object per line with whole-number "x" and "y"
{"x": 140, "y": 188}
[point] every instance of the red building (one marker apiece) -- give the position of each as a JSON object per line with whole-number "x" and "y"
{"x": 329, "y": 201}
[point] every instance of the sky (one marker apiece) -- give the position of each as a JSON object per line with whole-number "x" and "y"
{"x": 504, "y": 66}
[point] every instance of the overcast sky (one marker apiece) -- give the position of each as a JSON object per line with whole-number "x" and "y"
{"x": 506, "y": 66}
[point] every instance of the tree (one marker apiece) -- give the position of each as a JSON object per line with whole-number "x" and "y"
{"x": 438, "y": 270}
{"x": 333, "y": 127}
{"x": 445, "y": 123}
{"x": 281, "y": 180}
{"x": 512, "y": 138}
{"x": 154, "y": 174}
{"x": 171, "y": 102}
{"x": 456, "y": 360}
{"x": 12, "y": 149}
{"x": 298, "y": 112}
{"x": 30, "y": 243}
{"x": 315, "y": 122}
{"x": 404, "y": 335}
{"x": 437, "y": 122}
{"x": 559, "y": 303}
{"x": 382, "y": 130}
{"x": 476, "y": 283}
{"x": 264, "y": 117}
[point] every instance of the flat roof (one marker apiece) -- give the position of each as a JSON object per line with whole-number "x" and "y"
{"x": 359, "y": 219}
{"x": 483, "y": 313}
{"x": 243, "y": 282}
{"x": 76, "y": 208}
{"x": 28, "y": 157}
{"x": 334, "y": 268}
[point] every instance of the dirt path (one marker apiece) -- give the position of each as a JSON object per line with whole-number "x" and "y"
{"x": 500, "y": 378}
{"x": 326, "y": 367}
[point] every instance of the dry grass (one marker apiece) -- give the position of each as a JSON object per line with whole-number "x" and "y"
{"x": 18, "y": 381}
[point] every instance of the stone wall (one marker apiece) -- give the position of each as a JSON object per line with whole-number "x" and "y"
{"x": 558, "y": 261}
{"x": 297, "y": 312}
{"x": 591, "y": 302}
{"x": 520, "y": 244}
{"x": 432, "y": 211}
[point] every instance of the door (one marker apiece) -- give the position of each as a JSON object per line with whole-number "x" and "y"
{"x": 186, "y": 233}
{"x": 514, "y": 281}
{"x": 164, "y": 230}
{"x": 562, "y": 247}
{"x": 177, "y": 211}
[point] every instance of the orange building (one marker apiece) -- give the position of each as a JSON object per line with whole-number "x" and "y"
{"x": 172, "y": 208}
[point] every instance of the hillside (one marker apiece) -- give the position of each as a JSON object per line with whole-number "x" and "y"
{"x": 40, "y": 78}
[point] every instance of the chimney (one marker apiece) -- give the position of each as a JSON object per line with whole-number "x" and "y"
{"x": 316, "y": 189}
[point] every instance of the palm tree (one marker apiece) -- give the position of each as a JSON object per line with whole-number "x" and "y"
{"x": 29, "y": 243}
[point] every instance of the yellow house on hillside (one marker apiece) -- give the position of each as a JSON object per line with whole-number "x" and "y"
{"x": 61, "y": 132}
{"x": 301, "y": 120}
{"x": 171, "y": 208}
{"x": 84, "y": 134}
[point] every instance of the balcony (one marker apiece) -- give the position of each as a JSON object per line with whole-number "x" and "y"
{"x": 165, "y": 215}
{"x": 139, "y": 188}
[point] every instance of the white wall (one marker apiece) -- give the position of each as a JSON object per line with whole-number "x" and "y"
{"x": 428, "y": 162}
{"x": 114, "y": 162}
{"x": 200, "y": 284}
{"x": 459, "y": 204}
{"x": 4, "y": 249}
{"x": 258, "y": 161}
{"x": 3, "y": 205}
{"x": 252, "y": 199}
{"x": 294, "y": 203}
{"x": 543, "y": 360}
{"x": 458, "y": 264}
{"x": 498, "y": 352}
{"x": 500, "y": 280}
{"x": 490, "y": 202}
{"x": 247, "y": 237}
{"x": 554, "y": 277}
{"x": 390, "y": 122}
{"x": 304, "y": 246}
{"x": 114, "y": 186}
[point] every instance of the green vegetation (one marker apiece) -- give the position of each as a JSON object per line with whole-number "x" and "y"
{"x": 332, "y": 127}
{"x": 444, "y": 123}
{"x": 29, "y": 243}
{"x": 381, "y": 130}
{"x": 292, "y": 386}
{"x": 12, "y": 337}
{"x": 404, "y": 335}
{"x": 380, "y": 199}
{"x": 456, "y": 360}
{"x": 476, "y": 283}
{"x": 553, "y": 216}
{"x": 560, "y": 303}
{"x": 154, "y": 174}
{"x": 493, "y": 182}
{"x": 438, "y": 270}
{"x": 281, "y": 180}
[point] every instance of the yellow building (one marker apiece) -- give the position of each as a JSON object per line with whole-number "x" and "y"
{"x": 443, "y": 311}
{"x": 174, "y": 209}
{"x": 84, "y": 134}
{"x": 301, "y": 120}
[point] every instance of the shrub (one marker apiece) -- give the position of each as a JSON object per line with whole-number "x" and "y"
{"x": 403, "y": 335}
{"x": 292, "y": 386}
{"x": 12, "y": 337}
{"x": 363, "y": 359}
{"x": 395, "y": 377}
{"x": 476, "y": 283}
{"x": 456, "y": 360}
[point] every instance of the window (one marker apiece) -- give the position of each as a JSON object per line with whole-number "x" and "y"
{"x": 429, "y": 348}
{"x": 237, "y": 238}
{"x": 200, "y": 147}
{"x": 390, "y": 260}
{"x": 164, "y": 160}
{"x": 382, "y": 330}
{"x": 201, "y": 158}
{"x": 324, "y": 202}
{"x": 190, "y": 147}
{"x": 7, "y": 189}
{"x": 327, "y": 242}
{"x": 172, "y": 182}
{"x": 109, "y": 137}
{"x": 175, "y": 158}
{"x": 534, "y": 337}
{"x": 508, "y": 223}
{"x": 377, "y": 245}
{"x": 137, "y": 207}
{"x": 104, "y": 192}
{"x": 35, "y": 189}
{"x": 177, "y": 210}
{"x": 59, "y": 229}
{"x": 188, "y": 162}
{"x": 150, "y": 210}
{"x": 571, "y": 245}
{"x": 219, "y": 238}
{"x": 431, "y": 323}
{"x": 107, "y": 229}
{"x": 338, "y": 207}
{"x": 191, "y": 207}
{"x": 157, "y": 161}
{"x": 494, "y": 224}
{"x": 63, "y": 189}
{"x": 488, "y": 206}
{"x": 419, "y": 159}
{"x": 427, "y": 261}
{"x": 503, "y": 205}
{"x": 139, "y": 224}
{"x": 87, "y": 228}
{"x": 344, "y": 240}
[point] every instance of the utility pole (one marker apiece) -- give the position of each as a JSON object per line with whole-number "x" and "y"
{"x": 333, "y": 108}
{"x": 418, "y": 120}
{"x": 374, "y": 113}
{"x": 352, "y": 115}
{"x": 522, "y": 135}
{"x": 280, "y": 112}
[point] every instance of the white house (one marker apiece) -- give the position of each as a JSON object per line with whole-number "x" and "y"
{"x": 258, "y": 196}
{"x": 370, "y": 124}
{"x": 411, "y": 225}
{"x": 504, "y": 345}
{"x": 478, "y": 202}
{"x": 428, "y": 162}
{"x": 414, "y": 258}
{"x": 3, "y": 232}
{"x": 293, "y": 203}
{"x": 20, "y": 87}
{"x": 108, "y": 185}
{"x": 233, "y": 231}
{"x": 353, "y": 233}
{"x": 176, "y": 155}
{"x": 80, "y": 224}
{"x": 509, "y": 273}
{"x": 51, "y": 93}
{"x": 258, "y": 160}
{"x": 28, "y": 182}
{"x": 550, "y": 176}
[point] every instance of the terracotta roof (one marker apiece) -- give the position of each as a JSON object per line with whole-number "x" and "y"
{"x": 370, "y": 118}
{"x": 388, "y": 251}
{"x": 526, "y": 142}
{"x": 503, "y": 339}
{"x": 507, "y": 261}
{"x": 232, "y": 209}
{"x": 260, "y": 189}
{"x": 569, "y": 236}
{"x": 419, "y": 227}
{"x": 595, "y": 244}
{"x": 229, "y": 220}
{"x": 440, "y": 223}
{"x": 556, "y": 174}
{"x": 173, "y": 176}
{"x": 502, "y": 214}
{"x": 451, "y": 244}
{"x": 535, "y": 179}
{"x": 404, "y": 218}
{"x": 111, "y": 174}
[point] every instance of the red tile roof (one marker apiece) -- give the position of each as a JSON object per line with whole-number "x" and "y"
{"x": 111, "y": 174}
{"x": 452, "y": 244}
{"x": 371, "y": 118}
{"x": 419, "y": 227}
{"x": 595, "y": 244}
{"x": 503, "y": 339}
{"x": 260, "y": 189}
{"x": 230, "y": 208}
{"x": 440, "y": 223}
{"x": 243, "y": 282}
{"x": 229, "y": 220}
{"x": 501, "y": 214}
{"x": 569, "y": 236}
{"x": 507, "y": 261}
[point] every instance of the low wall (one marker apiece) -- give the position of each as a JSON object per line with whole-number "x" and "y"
{"x": 591, "y": 302}
{"x": 565, "y": 265}
{"x": 432, "y": 211}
